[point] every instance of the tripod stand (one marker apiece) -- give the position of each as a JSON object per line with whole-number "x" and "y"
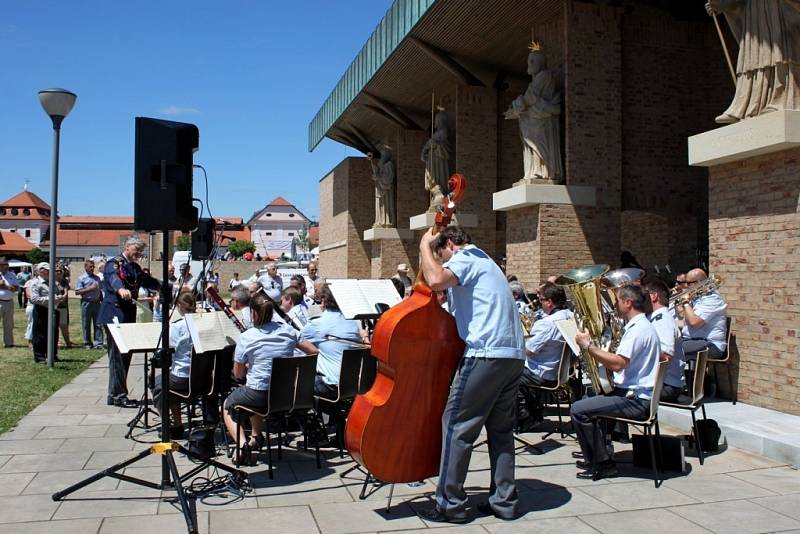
{"x": 141, "y": 420}
{"x": 170, "y": 478}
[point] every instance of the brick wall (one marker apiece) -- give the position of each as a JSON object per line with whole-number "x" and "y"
{"x": 754, "y": 228}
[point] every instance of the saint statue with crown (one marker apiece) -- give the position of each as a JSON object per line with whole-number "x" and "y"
{"x": 383, "y": 174}
{"x": 538, "y": 111}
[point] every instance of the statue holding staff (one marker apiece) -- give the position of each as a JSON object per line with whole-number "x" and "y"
{"x": 436, "y": 155}
{"x": 383, "y": 174}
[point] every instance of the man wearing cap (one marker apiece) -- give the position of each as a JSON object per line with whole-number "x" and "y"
{"x": 8, "y": 287}
{"x": 402, "y": 275}
{"x": 121, "y": 282}
{"x": 40, "y": 293}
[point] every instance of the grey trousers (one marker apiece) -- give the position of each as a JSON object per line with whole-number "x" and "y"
{"x": 483, "y": 393}
{"x": 118, "y": 365}
{"x": 90, "y": 312}
{"x": 7, "y": 318}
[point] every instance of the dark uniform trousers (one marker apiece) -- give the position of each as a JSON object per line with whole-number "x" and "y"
{"x": 118, "y": 365}
{"x": 39, "y": 333}
{"x": 483, "y": 393}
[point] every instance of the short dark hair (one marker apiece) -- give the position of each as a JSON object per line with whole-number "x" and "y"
{"x": 263, "y": 308}
{"x": 399, "y": 286}
{"x": 635, "y": 294}
{"x": 451, "y": 233}
{"x": 186, "y": 300}
{"x": 551, "y": 291}
{"x": 326, "y": 297}
{"x": 660, "y": 288}
{"x": 293, "y": 294}
{"x": 299, "y": 279}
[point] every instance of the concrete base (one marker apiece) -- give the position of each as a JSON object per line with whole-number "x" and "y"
{"x": 524, "y": 195}
{"x": 770, "y": 433}
{"x": 423, "y": 221}
{"x": 374, "y": 234}
{"x": 764, "y": 134}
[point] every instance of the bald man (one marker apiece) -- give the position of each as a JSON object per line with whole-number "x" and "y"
{"x": 704, "y": 320}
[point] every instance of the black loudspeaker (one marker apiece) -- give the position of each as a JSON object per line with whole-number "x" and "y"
{"x": 163, "y": 175}
{"x": 203, "y": 239}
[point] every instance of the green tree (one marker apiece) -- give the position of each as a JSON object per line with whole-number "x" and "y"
{"x": 303, "y": 241}
{"x": 36, "y": 255}
{"x": 239, "y": 247}
{"x": 184, "y": 242}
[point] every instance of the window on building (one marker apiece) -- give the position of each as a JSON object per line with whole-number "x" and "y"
{"x": 2, "y": 211}
{"x": 269, "y": 215}
{"x": 26, "y": 211}
{"x": 14, "y": 211}
{"x": 291, "y": 215}
{"x": 13, "y": 229}
{"x": 290, "y": 234}
{"x": 27, "y": 233}
{"x": 269, "y": 233}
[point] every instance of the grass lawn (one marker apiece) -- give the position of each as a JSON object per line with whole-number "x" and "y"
{"x": 24, "y": 384}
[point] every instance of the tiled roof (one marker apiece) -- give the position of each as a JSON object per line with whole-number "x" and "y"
{"x": 90, "y": 219}
{"x": 90, "y": 237}
{"x": 26, "y": 199}
{"x": 12, "y": 242}
{"x": 280, "y": 201}
{"x": 313, "y": 235}
{"x": 27, "y": 206}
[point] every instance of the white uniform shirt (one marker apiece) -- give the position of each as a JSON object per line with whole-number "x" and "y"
{"x": 258, "y": 346}
{"x": 664, "y": 323}
{"x": 10, "y": 278}
{"x": 641, "y": 347}
{"x": 272, "y": 286}
{"x": 712, "y": 309}
{"x": 546, "y": 344}
{"x": 181, "y": 341}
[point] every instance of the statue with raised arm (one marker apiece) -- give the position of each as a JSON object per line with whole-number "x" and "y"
{"x": 383, "y": 174}
{"x": 538, "y": 111}
{"x": 768, "y": 67}
{"x": 436, "y": 155}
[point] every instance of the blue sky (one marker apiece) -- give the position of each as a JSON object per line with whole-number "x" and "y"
{"x": 250, "y": 74}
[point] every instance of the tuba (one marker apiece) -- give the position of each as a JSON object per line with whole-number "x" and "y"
{"x": 583, "y": 287}
{"x": 612, "y": 281}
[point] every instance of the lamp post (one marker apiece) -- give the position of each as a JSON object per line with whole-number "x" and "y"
{"x": 57, "y": 103}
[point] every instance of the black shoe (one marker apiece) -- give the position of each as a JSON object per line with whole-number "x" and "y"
{"x": 603, "y": 471}
{"x": 578, "y": 455}
{"x": 40, "y": 361}
{"x": 486, "y": 509}
{"x": 435, "y": 515}
{"x": 125, "y": 402}
{"x": 583, "y": 464}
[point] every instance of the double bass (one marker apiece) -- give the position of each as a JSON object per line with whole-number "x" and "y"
{"x": 394, "y": 430}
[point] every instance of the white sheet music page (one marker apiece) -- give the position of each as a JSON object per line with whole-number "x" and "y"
{"x": 568, "y": 328}
{"x": 211, "y": 331}
{"x": 358, "y": 298}
{"x": 135, "y": 336}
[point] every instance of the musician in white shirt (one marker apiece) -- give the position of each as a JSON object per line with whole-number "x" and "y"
{"x": 704, "y": 323}
{"x": 664, "y": 323}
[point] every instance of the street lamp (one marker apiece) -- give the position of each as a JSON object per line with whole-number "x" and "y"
{"x": 57, "y": 103}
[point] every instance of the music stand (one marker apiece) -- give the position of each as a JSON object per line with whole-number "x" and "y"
{"x": 170, "y": 478}
{"x": 140, "y": 420}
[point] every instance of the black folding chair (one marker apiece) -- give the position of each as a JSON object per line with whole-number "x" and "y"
{"x": 696, "y": 400}
{"x": 347, "y": 389}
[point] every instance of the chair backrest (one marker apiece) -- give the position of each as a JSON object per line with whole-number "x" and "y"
{"x": 223, "y": 368}
{"x": 564, "y": 364}
{"x": 698, "y": 381}
{"x": 729, "y": 338}
{"x": 662, "y": 370}
{"x": 201, "y": 375}
{"x": 283, "y": 383}
{"x": 304, "y": 391}
{"x": 350, "y": 372}
{"x": 369, "y": 371}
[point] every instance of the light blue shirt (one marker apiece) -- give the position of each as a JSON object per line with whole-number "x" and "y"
{"x": 667, "y": 331}
{"x": 86, "y": 280}
{"x": 641, "y": 347}
{"x": 712, "y": 309}
{"x": 483, "y": 306}
{"x": 546, "y": 343}
{"x": 181, "y": 341}
{"x": 258, "y": 346}
{"x": 329, "y": 361}
{"x": 273, "y": 286}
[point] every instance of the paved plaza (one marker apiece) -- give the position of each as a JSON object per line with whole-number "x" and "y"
{"x": 74, "y": 433}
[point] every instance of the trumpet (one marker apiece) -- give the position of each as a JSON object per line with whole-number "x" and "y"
{"x": 704, "y": 287}
{"x": 528, "y": 317}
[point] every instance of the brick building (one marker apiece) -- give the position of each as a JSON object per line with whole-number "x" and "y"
{"x": 637, "y": 80}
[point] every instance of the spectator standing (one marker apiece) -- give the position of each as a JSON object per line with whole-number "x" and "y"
{"x": 22, "y": 278}
{"x": 88, "y": 289}
{"x": 62, "y": 288}
{"x": 8, "y": 286}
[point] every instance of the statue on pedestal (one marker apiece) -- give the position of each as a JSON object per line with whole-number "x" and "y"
{"x": 538, "y": 111}
{"x": 767, "y": 73}
{"x": 383, "y": 174}
{"x": 436, "y": 155}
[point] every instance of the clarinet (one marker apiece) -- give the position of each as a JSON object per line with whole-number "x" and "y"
{"x": 212, "y": 292}
{"x": 277, "y": 309}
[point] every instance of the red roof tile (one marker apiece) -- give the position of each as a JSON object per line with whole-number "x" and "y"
{"x": 280, "y": 201}
{"x": 13, "y": 243}
{"x": 313, "y": 235}
{"x": 26, "y": 199}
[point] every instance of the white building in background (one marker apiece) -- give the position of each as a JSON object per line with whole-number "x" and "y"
{"x": 274, "y": 227}
{"x": 26, "y": 215}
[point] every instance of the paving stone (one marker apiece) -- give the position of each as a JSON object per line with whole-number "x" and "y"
{"x": 49, "y": 482}
{"x": 559, "y": 502}
{"x": 108, "y": 504}
{"x": 24, "y": 432}
{"x": 33, "y": 463}
{"x": 716, "y": 488}
{"x": 97, "y": 444}
{"x": 22, "y": 508}
{"x": 561, "y": 475}
{"x": 14, "y": 483}
{"x": 70, "y": 526}
{"x": 363, "y": 516}
{"x": 651, "y": 521}
{"x": 83, "y": 431}
{"x": 464, "y": 529}
{"x": 121, "y": 418}
{"x": 4, "y": 459}
{"x": 738, "y": 517}
{"x": 226, "y": 501}
{"x": 781, "y": 480}
{"x": 788, "y": 505}
{"x": 559, "y": 525}
{"x": 47, "y": 409}
{"x": 91, "y": 409}
{"x": 637, "y": 496}
{"x": 51, "y": 420}
{"x": 152, "y": 524}
{"x": 299, "y": 493}
{"x": 34, "y": 446}
{"x": 294, "y": 519}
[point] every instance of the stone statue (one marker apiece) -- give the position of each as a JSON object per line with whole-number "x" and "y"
{"x": 768, "y": 67}
{"x": 538, "y": 111}
{"x": 436, "y": 155}
{"x": 383, "y": 174}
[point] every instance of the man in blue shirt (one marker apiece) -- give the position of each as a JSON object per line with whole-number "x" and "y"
{"x": 635, "y": 367}
{"x": 88, "y": 288}
{"x": 664, "y": 323}
{"x": 484, "y": 389}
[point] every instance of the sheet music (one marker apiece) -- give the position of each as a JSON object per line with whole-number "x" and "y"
{"x": 136, "y": 336}
{"x": 357, "y": 298}
{"x": 568, "y": 328}
{"x": 211, "y": 331}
